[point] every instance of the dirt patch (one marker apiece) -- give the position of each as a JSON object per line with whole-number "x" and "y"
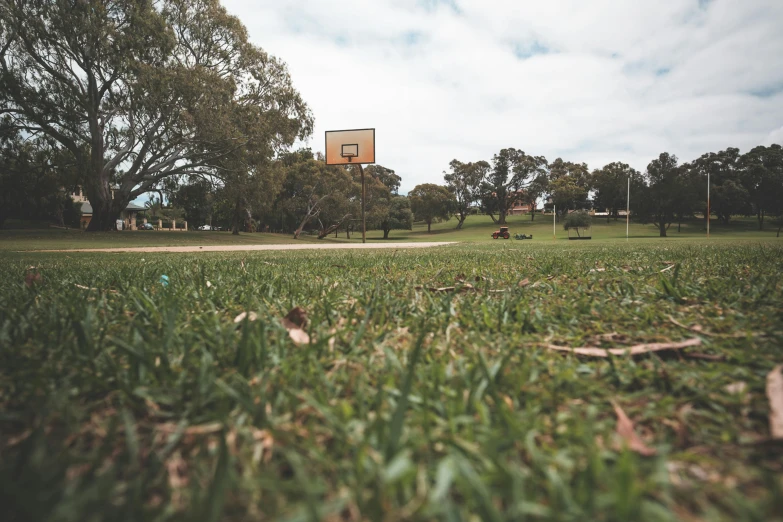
{"x": 242, "y": 248}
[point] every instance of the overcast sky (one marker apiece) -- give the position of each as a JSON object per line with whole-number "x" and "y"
{"x": 586, "y": 80}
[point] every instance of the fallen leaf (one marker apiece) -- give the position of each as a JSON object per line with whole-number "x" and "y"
{"x": 668, "y": 268}
{"x": 209, "y": 285}
{"x": 736, "y": 387}
{"x": 637, "y": 349}
{"x": 550, "y": 278}
{"x": 30, "y": 278}
{"x": 626, "y": 432}
{"x": 83, "y": 287}
{"x": 598, "y": 269}
{"x": 297, "y": 316}
{"x": 294, "y": 321}
{"x": 775, "y": 397}
{"x": 524, "y": 283}
{"x": 251, "y": 316}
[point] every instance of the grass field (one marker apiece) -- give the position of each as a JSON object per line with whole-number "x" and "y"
{"x": 477, "y": 229}
{"x": 123, "y": 399}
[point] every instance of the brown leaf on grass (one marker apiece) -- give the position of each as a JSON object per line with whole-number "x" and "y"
{"x": 294, "y": 322}
{"x": 297, "y": 316}
{"x": 251, "y": 316}
{"x": 736, "y": 387}
{"x": 638, "y": 349}
{"x": 30, "y": 278}
{"x": 550, "y": 278}
{"x": 775, "y": 397}
{"x": 626, "y": 432}
{"x": 667, "y": 268}
{"x": 83, "y": 287}
{"x": 524, "y": 283}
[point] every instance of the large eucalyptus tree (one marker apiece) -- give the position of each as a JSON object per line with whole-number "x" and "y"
{"x": 138, "y": 91}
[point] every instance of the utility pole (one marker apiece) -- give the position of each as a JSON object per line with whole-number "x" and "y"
{"x": 628, "y": 209}
{"x": 708, "y": 205}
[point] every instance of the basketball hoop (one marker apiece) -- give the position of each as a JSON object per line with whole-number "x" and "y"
{"x": 345, "y": 146}
{"x": 350, "y": 151}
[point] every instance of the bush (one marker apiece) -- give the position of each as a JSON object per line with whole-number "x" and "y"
{"x": 578, "y": 219}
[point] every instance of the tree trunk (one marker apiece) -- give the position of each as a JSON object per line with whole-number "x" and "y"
{"x": 781, "y": 226}
{"x": 348, "y": 231}
{"x": 461, "y": 221}
{"x": 502, "y": 217}
{"x": 533, "y": 213}
{"x": 429, "y": 227}
{"x": 760, "y": 216}
{"x": 386, "y": 233}
{"x": 662, "y": 228}
{"x": 105, "y": 210}
{"x": 235, "y": 224}
{"x": 328, "y": 230}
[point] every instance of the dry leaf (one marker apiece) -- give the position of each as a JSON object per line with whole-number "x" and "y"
{"x": 637, "y": 349}
{"x": 297, "y": 316}
{"x": 30, "y": 278}
{"x": 668, "y": 268}
{"x": 775, "y": 397}
{"x": 251, "y": 316}
{"x": 626, "y": 432}
{"x": 598, "y": 269}
{"x": 524, "y": 283}
{"x": 550, "y": 278}
{"x": 736, "y": 387}
{"x": 294, "y": 322}
{"x": 209, "y": 285}
{"x": 83, "y": 287}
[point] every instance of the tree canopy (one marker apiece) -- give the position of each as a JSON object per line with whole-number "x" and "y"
{"x": 136, "y": 92}
{"x": 431, "y": 203}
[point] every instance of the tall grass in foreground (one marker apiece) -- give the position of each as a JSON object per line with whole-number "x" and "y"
{"x": 123, "y": 399}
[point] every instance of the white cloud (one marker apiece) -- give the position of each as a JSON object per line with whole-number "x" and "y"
{"x": 598, "y": 81}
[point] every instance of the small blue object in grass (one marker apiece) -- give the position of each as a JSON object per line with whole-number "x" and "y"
{"x": 164, "y": 280}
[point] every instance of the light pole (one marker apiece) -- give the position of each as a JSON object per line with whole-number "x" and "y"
{"x": 628, "y": 209}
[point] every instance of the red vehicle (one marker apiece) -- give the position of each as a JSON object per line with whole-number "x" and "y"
{"x": 503, "y": 232}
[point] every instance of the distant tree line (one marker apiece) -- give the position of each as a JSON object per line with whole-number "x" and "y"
{"x": 666, "y": 193}
{"x": 127, "y": 98}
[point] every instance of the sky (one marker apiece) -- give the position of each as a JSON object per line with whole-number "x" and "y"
{"x": 588, "y": 81}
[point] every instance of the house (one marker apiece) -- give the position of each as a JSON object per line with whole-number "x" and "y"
{"x": 520, "y": 205}
{"x": 128, "y": 216}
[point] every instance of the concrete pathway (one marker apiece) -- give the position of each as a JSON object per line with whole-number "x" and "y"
{"x": 243, "y": 248}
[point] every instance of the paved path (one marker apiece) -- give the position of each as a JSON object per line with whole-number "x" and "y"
{"x": 242, "y": 248}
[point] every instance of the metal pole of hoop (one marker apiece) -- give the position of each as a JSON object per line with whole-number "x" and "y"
{"x": 364, "y": 224}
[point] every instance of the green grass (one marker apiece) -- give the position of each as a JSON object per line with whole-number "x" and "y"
{"x": 480, "y": 228}
{"x": 128, "y": 400}
{"x": 477, "y": 229}
{"x": 61, "y": 239}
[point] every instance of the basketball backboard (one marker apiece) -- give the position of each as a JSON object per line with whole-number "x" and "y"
{"x": 348, "y": 147}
